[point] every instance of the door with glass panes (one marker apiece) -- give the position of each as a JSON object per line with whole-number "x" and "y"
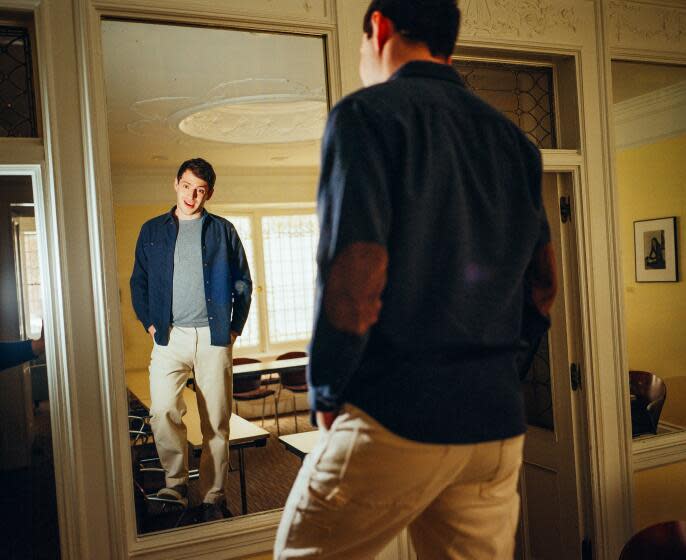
{"x": 551, "y": 524}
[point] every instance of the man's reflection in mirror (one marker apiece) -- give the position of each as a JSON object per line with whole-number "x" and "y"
{"x": 191, "y": 289}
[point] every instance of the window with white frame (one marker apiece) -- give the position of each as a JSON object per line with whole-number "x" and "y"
{"x": 281, "y": 248}
{"x": 251, "y": 331}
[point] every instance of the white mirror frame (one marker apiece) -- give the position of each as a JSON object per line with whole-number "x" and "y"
{"x": 242, "y": 536}
{"x": 664, "y": 449}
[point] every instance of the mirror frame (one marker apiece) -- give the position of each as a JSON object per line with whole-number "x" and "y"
{"x": 242, "y": 536}
{"x": 660, "y": 449}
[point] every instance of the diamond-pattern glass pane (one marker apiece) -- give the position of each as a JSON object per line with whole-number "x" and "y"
{"x": 523, "y": 93}
{"x": 17, "y": 101}
{"x": 251, "y": 331}
{"x": 290, "y": 244}
{"x": 538, "y": 398}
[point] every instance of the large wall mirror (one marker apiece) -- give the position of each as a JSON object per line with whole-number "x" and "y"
{"x": 650, "y": 137}
{"x": 254, "y": 105}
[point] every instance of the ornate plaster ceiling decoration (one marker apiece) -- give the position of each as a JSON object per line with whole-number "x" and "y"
{"x": 248, "y": 111}
{"x": 636, "y": 22}
{"x": 518, "y": 18}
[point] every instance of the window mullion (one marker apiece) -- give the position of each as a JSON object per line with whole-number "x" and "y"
{"x": 260, "y": 282}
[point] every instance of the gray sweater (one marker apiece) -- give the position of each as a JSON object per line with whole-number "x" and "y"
{"x": 189, "y": 308}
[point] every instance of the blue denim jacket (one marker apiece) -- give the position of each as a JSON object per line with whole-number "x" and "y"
{"x": 228, "y": 286}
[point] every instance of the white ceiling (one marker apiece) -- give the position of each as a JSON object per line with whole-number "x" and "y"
{"x": 163, "y": 78}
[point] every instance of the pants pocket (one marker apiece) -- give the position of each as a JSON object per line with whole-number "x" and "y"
{"x": 504, "y": 482}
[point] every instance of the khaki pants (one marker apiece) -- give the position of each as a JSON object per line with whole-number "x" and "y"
{"x": 362, "y": 484}
{"x": 189, "y": 350}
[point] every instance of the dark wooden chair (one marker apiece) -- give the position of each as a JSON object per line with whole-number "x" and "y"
{"x": 663, "y": 541}
{"x": 648, "y": 394}
{"x": 251, "y": 389}
{"x": 294, "y": 381}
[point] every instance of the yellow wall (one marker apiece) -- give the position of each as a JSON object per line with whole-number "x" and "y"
{"x": 659, "y": 495}
{"x": 652, "y": 184}
{"x": 128, "y": 220}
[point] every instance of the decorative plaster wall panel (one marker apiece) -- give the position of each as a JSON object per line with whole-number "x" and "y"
{"x": 539, "y": 20}
{"x": 647, "y": 26}
{"x": 283, "y": 10}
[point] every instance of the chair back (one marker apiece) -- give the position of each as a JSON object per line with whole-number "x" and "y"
{"x": 664, "y": 541}
{"x": 649, "y": 392}
{"x": 246, "y": 384}
{"x": 647, "y": 385}
{"x": 294, "y": 377}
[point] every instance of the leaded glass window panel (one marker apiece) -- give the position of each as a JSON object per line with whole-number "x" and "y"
{"x": 17, "y": 99}
{"x": 538, "y": 398}
{"x": 523, "y": 93}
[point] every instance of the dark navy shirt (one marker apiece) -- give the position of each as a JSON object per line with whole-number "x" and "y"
{"x": 452, "y": 190}
{"x": 15, "y": 353}
{"x": 228, "y": 286}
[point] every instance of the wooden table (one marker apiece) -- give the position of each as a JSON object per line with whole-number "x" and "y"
{"x": 274, "y": 366}
{"x": 242, "y": 433}
{"x": 300, "y": 444}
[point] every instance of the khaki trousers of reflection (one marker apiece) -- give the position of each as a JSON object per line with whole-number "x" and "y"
{"x": 189, "y": 350}
{"x": 362, "y": 484}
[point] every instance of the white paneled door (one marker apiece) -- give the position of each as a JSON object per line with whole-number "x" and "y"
{"x": 551, "y": 523}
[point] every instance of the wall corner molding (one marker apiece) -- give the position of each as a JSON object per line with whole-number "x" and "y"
{"x": 651, "y": 117}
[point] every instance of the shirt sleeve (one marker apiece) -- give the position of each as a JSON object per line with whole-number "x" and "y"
{"x": 139, "y": 283}
{"x": 15, "y": 353}
{"x": 242, "y": 283}
{"x": 354, "y": 209}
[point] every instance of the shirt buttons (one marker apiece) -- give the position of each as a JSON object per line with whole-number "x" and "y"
{"x": 210, "y": 318}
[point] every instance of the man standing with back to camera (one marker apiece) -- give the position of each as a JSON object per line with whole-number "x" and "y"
{"x": 436, "y": 276}
{"x": 191, "y": 289}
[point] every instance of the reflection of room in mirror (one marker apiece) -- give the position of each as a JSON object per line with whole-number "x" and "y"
{"x": 224, "y": 96}
{"x": 650, "y": 138}
{"x": 26, "y": 452}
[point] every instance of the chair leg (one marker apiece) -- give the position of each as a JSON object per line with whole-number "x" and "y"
{"x": 276, "y": 415}
{"x": 295, "y": 414}
{"x": 264, "y": 402}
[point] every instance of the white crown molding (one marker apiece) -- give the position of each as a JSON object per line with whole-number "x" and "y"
{"x": 648, "y": 118}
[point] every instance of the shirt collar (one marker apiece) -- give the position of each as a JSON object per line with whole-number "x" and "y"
{"x": 426, "y": 69}
{"x": 171, "y": 215}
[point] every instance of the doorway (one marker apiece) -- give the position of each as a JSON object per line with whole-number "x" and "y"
{"x": 552, "y": 522}
{"x": 26, "y": 460}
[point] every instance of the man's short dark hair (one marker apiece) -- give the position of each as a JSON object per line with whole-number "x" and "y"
{"x": 200, "y": 168}
{"x": 433, "y": 22}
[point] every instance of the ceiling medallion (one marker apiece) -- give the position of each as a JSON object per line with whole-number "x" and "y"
{"x": 251, "y": 111}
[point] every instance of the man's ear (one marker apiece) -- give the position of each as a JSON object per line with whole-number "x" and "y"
{"x": 209, "y": 194}
{"x": 383, "y": 29}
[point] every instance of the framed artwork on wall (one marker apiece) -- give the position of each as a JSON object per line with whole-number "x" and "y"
{"x": 655, "y": 243}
